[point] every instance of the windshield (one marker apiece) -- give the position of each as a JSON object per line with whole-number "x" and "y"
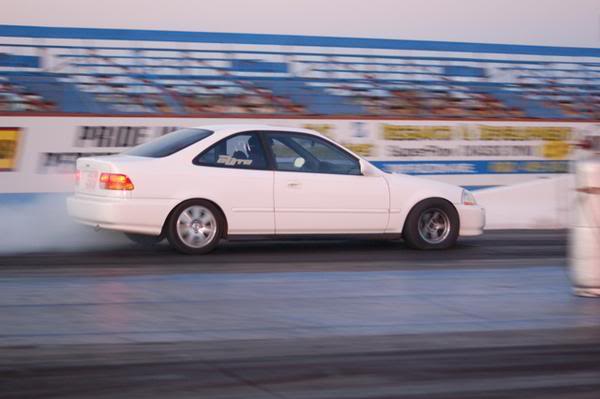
{"x": 169, "y": 144}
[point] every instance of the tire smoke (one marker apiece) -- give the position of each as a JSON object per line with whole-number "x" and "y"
{"x": 40, "y": 223}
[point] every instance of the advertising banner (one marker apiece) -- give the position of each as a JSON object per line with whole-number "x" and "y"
{"x": 9, "y": 146}
{"x": 38, "y": 154}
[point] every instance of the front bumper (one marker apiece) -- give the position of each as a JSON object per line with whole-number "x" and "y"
{"x": 127, "y": 215}
{"x": 472, "y": 219}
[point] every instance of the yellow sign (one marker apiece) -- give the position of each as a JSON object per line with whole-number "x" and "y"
{"x": 364, "y": 150}
{"x": 398, "y": 132}
{"x": 529, "y": 133}
{"x": 9, "y": 143}
{"x": 556, "y": 149}
{"x": 324, "y": 128}
{"x": 503, "y": 167}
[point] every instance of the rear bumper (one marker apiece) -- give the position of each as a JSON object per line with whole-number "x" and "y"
{"x": 128, "y": 215}
{"x": 472, "y": 219}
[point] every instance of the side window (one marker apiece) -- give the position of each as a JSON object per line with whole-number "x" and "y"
{"x": 304, "y": 153}
{"x": 169, "y": 143}
{"x": 242, "y": 151}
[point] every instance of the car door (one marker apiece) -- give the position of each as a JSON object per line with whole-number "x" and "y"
{"x": 319, "y": 188}
{"x": 235, "y": 174}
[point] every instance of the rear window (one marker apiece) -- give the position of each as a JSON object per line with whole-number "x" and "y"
{"x": 169, "y": 143}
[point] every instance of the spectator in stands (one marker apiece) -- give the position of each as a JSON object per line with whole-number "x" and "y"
{"x": 50, "y": 106}
{"x": 16, "y": 98}
{"x": 215, "y": 105}
{"x": 235, "y": 105}
{"x": 515, "y": 113}
{"x": 163, "y": 108}
{"x": 158, "y": 103}
{"x": 187, "y": 101}
{"x": 286, "y": 105}
{"x": 299, "y": 109}
{"x": 34, "y": 101}
{"x": 404, "y": 96}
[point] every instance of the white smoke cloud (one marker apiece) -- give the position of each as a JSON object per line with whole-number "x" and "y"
{"x": 41, "y": 223}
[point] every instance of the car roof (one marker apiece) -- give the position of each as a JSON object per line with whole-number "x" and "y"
{"x": 227, "y": 129}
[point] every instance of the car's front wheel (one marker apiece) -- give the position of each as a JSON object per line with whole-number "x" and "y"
{"x": 195, "y": 227}
{"x": 432, "y": 224}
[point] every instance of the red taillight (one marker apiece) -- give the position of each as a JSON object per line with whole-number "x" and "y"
{"x": 77, "y": 177}
{"x": 115, "y": 181}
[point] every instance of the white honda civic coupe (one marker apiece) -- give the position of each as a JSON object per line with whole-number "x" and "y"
{"x": 199, "y": 185}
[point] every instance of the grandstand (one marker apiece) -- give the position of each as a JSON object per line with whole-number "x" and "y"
{"x": 140, "y": 72}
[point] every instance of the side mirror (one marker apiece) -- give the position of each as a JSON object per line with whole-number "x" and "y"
{"x": 366, "y": 169}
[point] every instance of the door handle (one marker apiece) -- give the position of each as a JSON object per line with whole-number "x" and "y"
{"x": 294, "y": 184}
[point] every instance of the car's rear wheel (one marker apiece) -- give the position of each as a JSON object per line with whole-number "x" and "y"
{"x": 145, "y": 240}
{"x": 195, "y": 227}
{"x": 432, "y": 224}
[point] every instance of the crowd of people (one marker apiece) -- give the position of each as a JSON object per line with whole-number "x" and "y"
{"x": 114, "y": 87}
{"x": 419, "y": 102}
{"x": 119, "y": 95}
{"x": 15, "y": 98}
{"x": 574, "y": 104}
{"x": 580, "y": 108}
{"x": 116, "y": 94}
{"x": 210, "y": 98}
{"x": 247, "y": 99}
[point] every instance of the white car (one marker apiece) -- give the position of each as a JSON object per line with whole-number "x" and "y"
{"x": 198, "y": 185}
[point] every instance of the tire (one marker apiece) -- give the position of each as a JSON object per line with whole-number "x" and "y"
{"x": 195, "y": 227}
{"x": 432, "y": 224}
{"x": 145, "y": 240}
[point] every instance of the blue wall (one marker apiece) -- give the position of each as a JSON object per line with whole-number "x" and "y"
{"x": 286, "y": 40}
